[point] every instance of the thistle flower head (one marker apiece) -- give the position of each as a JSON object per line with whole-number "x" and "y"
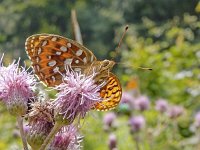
{"x": 128, "y": 99}
{"x": 109, "y": 119}
{"x": 66, "y": 139}
{"x": 161, "y": 105}
{"x": 112, "y": 142}
{"x": 77, "y": 95}
{"x": 40, "y": 123}
{"x": 136, "y": 123}
{"x": 175, "y": 111}
{"x": 142, "y": 103}
{"x": 41, "y": 110}
{"x": 16, "y": 87}
{"x": 197, "y": 120}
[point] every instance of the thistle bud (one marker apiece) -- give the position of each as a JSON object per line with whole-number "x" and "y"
{"x": 40, "y": 123}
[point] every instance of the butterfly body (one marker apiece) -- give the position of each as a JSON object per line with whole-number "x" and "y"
{"x": 51, "y": 54}
{"x": 101, "y": 68}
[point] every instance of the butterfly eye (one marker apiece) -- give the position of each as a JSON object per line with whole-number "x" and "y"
{"x": 105, "y": 63}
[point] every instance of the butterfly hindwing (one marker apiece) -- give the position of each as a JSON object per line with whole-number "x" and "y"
{"x": 110, "y": 93}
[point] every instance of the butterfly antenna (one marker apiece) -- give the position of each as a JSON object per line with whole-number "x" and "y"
{"x": 117, "y": 51}
{"x": 132, "y": 66}
{"x": 120, "y": 42}
{"x": 145, "y": 68}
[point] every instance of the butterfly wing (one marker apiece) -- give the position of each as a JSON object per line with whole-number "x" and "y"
{"x": 50, "y": 54}
{"x": 32, "y": 42}
{"x": 111, "y": 94}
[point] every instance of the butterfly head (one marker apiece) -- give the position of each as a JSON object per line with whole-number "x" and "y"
{"x": 106, "y": 65}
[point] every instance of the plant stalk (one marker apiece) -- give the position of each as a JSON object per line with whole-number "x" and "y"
{"x": 50, "y": 136}
{"x": 21, "y": 129}
{"x": 76, "y": 27}
{"x": 136, "y": 139}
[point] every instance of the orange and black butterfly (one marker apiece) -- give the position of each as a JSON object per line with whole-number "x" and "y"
{"x": 50, "y": 54}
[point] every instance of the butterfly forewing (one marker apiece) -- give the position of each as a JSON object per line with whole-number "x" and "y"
{"x": 52, "y": 53}
{"x": 110, "y": 93}
{"x": 32, "y": 42}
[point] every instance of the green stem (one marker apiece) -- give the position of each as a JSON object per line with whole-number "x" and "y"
{"x": 136, "y": 139}
{"x": 50, "y": 136}
{"x": 20, "y": 124}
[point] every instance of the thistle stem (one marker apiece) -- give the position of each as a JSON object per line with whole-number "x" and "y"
{"x": 20, "y": 124}
{"x": 50, "y": 136}
{"x": 136, "y": 139}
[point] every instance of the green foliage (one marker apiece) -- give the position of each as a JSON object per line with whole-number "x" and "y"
{"x": 7, "y": 130}
{"x": 171, "y": 50}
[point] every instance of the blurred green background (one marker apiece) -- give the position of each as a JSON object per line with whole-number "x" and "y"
{"x": 163, "y": 35}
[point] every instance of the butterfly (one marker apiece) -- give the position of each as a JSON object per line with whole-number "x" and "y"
{"x": 50, "y": 54}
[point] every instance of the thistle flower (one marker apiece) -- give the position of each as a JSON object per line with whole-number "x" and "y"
{"x": 197, "y": 120}
{"x": 128, "y": 99}
{"x": 26, "y": 129}
{"x": 161, "y": 105}
{"x": 16, "y": 87}
{"x": 66, "y": 139}
{"x": 142, "y": 103}
{"x": 40, "y": 123}
{"x": 136, "y": 123}
{"x": 112, "y": 142}
{"x": 77, "y": 95}
{"x": 175, "y": 111}
{"x": 16, "y": 133}
{"x": 108, "y": 120}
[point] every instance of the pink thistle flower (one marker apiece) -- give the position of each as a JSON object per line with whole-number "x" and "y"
{"x": 77, "y": 95}
{"x": 161, "y": 105}
{"x": 197, "y": 120}
{"x": 136, "y": 123}
{"x": 112, "y": 142}
{"x": 142, "y": 103}
{"x": 175, "y": 111}
{"x": 128, "y": 99}
{"x": 108, "y": 120}
{"x": 26, "y": 129}
{"x": 66, "y": 139}
{"x": 16, "y": 87}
